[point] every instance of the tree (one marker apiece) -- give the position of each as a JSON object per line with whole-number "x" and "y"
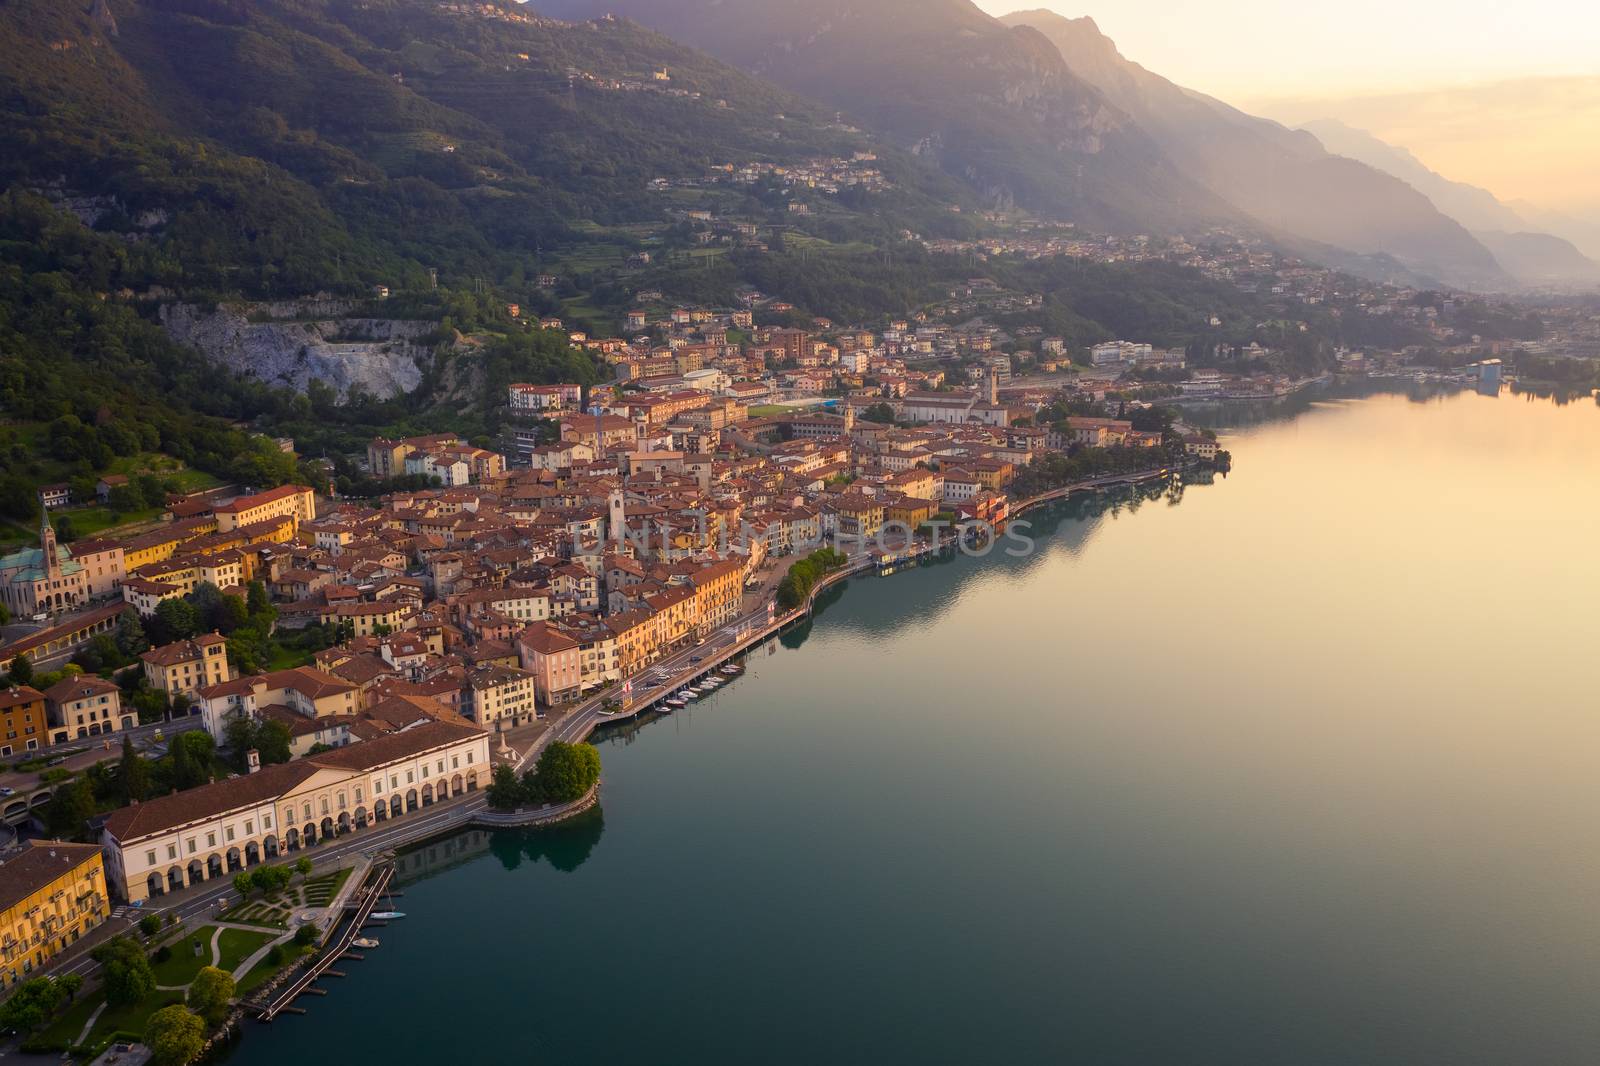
{"x": 175, "y": 1036}
{"x": 135, "y": 773}
{"x": 128, "y": 977}
{"x": 566, "y": 772}
{"x": 302, "y": 866}
{"x": 505, "y": 792}
{"x": 272, "y": 742}
{"x": 150, "y": 924}
{"x": 179, "y": 619}
{"x": 130, "y": 637}
{"x": 33, "y": 1003}
{"x": 71, "y": 807}
{"x": 65, "y": 533}
{"x": 21, "y": 670}
{"x": 192, "y": 755}
{"x": 210, "y": 993}
{"x": 244, "y": 883}
{"x": 306, "y": 935}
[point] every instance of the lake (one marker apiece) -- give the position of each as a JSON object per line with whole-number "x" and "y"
{"x": 1296, "y": 767}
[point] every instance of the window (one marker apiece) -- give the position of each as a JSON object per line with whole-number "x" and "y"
{"x": 192, "y": 847}
{"x": 172, "y": 851}
{"x": 266, "y": 821}
{"x": 411, "y": 777}
{"x": 229, "y": 832}
{"x": 149, "y": 858}
{"x": 249, "y": 827}
{"x": 211, "y": 840}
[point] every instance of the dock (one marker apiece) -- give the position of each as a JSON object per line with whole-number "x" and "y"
{"x": 349, "y": 927}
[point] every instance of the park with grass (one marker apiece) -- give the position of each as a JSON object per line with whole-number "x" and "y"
{"x": 170, "y": 986}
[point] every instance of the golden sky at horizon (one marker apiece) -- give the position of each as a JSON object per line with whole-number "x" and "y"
{"x": 1506, "y": 96}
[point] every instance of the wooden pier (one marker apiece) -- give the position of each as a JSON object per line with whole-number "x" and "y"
{"x": 365, "y": 902}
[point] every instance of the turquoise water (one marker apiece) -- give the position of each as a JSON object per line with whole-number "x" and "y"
{"x": 1296, "y": 767}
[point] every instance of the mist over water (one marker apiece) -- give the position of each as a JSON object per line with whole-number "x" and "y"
{"x": 1294, "y": 767}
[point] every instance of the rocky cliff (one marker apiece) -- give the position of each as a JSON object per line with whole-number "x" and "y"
{"x": 378, "y": 357}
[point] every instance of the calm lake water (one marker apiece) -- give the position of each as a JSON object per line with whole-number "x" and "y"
{"x": 1298, "y": 767}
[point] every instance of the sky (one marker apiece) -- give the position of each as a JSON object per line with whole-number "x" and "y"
{"x": 1482, "y": 91}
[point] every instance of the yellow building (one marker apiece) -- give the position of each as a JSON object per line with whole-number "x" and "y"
{"x": 50, "y": 895}
{"x": 187, "y": 666}
{"x": 294, "y": 501}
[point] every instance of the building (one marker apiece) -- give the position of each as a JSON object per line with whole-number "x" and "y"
{"x": 1201, "y": 446}
{"x": 543, "y": 401}
{"x": 85, "y": 706}
{"x": 53, "y": 496}
{"x": 188, "y": 666}
{"x": 502, "y": 697}
{"x": 25, "y": 717}
{"x": 301, "y": 690}
{"x": 42, "y": 580}
{"x": 204, "y": 833}
{"x": 51, "y": 894}
{"x": 555, "y": 661}
{"x": 297, "y": 502}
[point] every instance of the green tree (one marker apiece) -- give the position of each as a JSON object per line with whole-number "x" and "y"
{"x": 505, "y": 792}
{"x": 210, "y": 993}
{"x": 306, "y": 935}
{"x": 566, "y": 771}
{"x": 244, "y": 883}
{"x": 34, "y": 1002}
{"x": 135, "y": 773}
{"x": 21, "y": 670}
{"x": 302, "y": 866}
{"x": 179, "y": 619}
{"x": 175, "y": 1036}
{"x": 192, "y": 754}
{"x": 128, "y": 977}
{"x": 70, "y": 808}
{"x": 130, "y": 637}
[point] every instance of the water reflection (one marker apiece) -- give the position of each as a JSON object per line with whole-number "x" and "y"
{"x": 565, "y": 846}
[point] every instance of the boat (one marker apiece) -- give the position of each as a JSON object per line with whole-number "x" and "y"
{"x": 363, "y": 942}
{"x": 386, "y": 916}
{"x": 733, "y": 669}
{"x": 675, "y": 702}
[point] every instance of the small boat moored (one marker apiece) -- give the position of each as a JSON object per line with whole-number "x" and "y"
{"x": 386, "y": 916}
{"x": 363, "y": 942}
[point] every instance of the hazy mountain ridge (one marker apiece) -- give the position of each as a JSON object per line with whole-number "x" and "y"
{"x": 1283, "y": 178}
{"x": 1530, "y": 255}
{"x": 994, "y": 105}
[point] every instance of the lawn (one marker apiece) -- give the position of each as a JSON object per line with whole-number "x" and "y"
{"x": 181, "y": 967}
{"x": 236, "y": 945}
{"x": 264, "y": 970}
{"x": 258, "y": 912}
{"x": 320, "y": 890}
{"x": 132, "y": 1018}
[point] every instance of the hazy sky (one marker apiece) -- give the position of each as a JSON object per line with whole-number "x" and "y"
{"x": 1452, "y": 81}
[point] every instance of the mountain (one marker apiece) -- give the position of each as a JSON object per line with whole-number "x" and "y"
{"x": 1584, "y": 233}
{"x": 1537, "y": 258}
{"x": 1285, "y": 180}
{"x": 281, "y": 147}
{"x": 995, "y": 106}
{"x": 1475, "y": 208}
{"x": 1541, "y": 259}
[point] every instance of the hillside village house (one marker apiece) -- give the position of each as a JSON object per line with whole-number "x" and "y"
{"x": 187, "y": 666}
{"x": 85, "y": 706}
{"x": 187, "y": 838}
{"x": 51, "y": 894}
